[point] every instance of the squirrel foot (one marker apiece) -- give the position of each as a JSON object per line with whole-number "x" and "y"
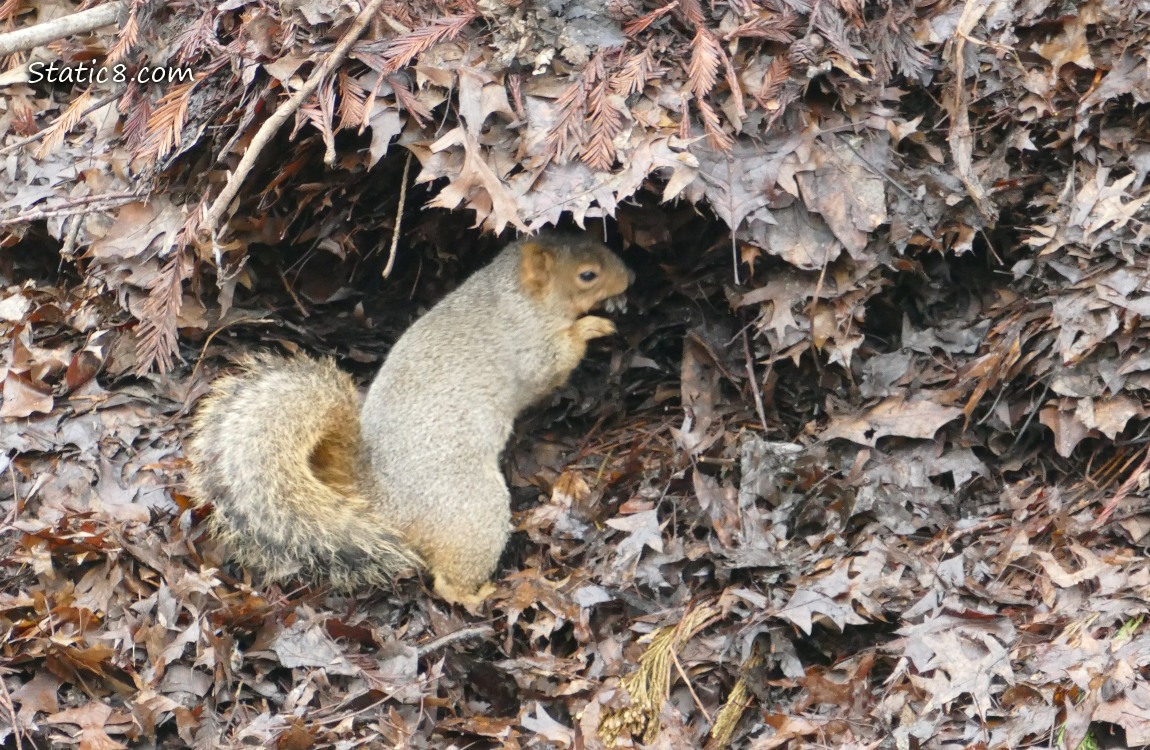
{"x": 470, "y": 599}
{"x": 592, "y": 327}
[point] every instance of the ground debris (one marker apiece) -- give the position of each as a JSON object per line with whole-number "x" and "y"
{"x": 867, "y": 464}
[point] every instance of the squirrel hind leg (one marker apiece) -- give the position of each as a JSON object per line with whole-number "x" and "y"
{"x": 462, "y": 572}
{"x": 464, "y": 542}
{"x": 466, "y": 595}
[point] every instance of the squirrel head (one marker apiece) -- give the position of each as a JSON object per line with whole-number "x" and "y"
{"x": 572, "y": 272}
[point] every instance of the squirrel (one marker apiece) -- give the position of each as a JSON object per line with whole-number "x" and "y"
{"x": 304, "y": 481}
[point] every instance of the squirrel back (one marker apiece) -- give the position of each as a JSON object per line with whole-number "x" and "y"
{"x": 302, "y": 480}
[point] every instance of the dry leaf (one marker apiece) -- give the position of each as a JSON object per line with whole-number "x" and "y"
{"x": 920, "y": 416}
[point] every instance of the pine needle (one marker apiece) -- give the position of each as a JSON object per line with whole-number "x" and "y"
{"x": 737, "y": 702}
{"x": 649, "y": 686}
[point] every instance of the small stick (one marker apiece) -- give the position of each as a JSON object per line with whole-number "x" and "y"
{"x": 16, "y": 730}
{"x": 686, "y": 679}
{"x": 72, "y": 207}
{"x": 754, "y": 380}
{"x": 398, "y": 217}
{"x": 271, "y": 125}
{"x": 1124, "y": 489}
{"x": 459, "y": 635}
{"x": 291, "y": 293}
{"x": 58, "y": 28}
{"x": 68, "y": 251}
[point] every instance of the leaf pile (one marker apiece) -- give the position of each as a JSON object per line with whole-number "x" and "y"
{"x": 868, "y": 464}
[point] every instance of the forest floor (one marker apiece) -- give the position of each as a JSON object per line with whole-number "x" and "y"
{"x": 867, "y": 465}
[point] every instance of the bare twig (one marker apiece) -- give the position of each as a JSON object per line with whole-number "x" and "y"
{"x": 755, "y": 389}
{"x": 204, "y": 352}
{"x": 459, "y": 635}
{"x": 58, "y": 28}
{"x": 7, "y": 699}
{"x": 72, "y": 207}
{"x": 272, "y": 125}
{"x": 683, "y": 673}
{"x": 398, "y": 217}
{"x": 975, "y": 528}
{"x": 68, "y": 249}
{"x": 1132, "y": 481}
{"x": 1033, "y": 413}
{"x": 294, "y": 297}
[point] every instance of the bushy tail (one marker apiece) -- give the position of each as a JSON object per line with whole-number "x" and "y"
{"x": 276, "y": 449}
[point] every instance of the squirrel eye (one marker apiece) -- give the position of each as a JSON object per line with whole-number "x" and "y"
{"x": 588, "y": 276}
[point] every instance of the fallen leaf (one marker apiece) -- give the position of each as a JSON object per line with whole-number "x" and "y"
{"x": 917, "y": 417}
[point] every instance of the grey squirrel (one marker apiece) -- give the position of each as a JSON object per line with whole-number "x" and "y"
{"x": 304, "y": 481}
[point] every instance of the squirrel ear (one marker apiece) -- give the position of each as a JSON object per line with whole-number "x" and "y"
{"x": 536, "y": 262}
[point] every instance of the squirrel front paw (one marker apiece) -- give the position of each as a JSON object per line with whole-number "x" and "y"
{"x": 593, "y": 327}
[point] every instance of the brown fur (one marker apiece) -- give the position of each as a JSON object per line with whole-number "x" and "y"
{"x": 304, "y": 482}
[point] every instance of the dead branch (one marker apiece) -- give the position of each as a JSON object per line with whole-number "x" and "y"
{"x": 74, "y": 206}
{"x": 450, "y": 638}
{"x": 6, "y": 701}
{"x": 756, "y": 388}
{"x": 50, "y": 31}
{"x": 398, "y": 217}
{"x": 272, "y": 125}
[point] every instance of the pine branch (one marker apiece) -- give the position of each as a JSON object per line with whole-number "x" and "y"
{"x": 127, "y": 36}
{"x": 605, "y": 122}
{"x": 165, "y": 126}
{"x": 703, "y": 69}
{"x": 156, "y": 342}
{"x": 198, "y": 38}
{"x": 716, "y": 136}
{"x": 636, "y": 71}
{"x": 321, "y": 116}
{"x": 702, "y": 74}
{"x": 775, "y": 27}
{"x": 851, "y": 10}
{"x": 325, "y": 96}
{"x": 568, "y": 134}
{"x": 137, "y": 110}
{"x": 830, "y": 25}
{"x": 405, "y": 48}
{"x": 352, "y": 101}
{"x": 777, "y": 75}
{"x": 693, "y": 12}
{"x": 8, "y": 9}
{"x": 408, "y": 100}
{"x": 56, "y": 132}
{"x": 631, "y": 28}
{"x": 210, "y": 218}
